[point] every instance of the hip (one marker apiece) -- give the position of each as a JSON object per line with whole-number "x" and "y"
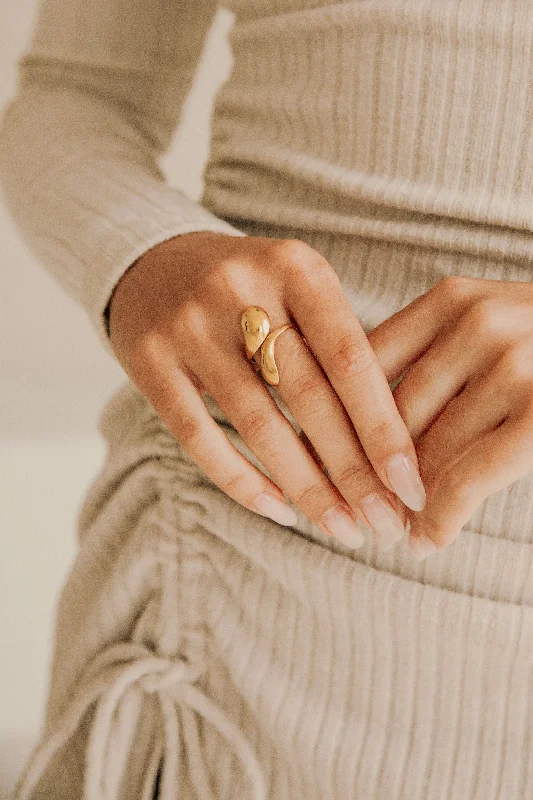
{"x": 345, "y": 673}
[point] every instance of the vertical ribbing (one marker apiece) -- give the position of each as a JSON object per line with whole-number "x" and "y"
{"x": 395, "y": 138}
{"x": 338, "y": 748}
{"x": 383, "y": 690}
{"x": 427, "y": 680}
{"x": 344, "y": 678}
{"x": 495, "y": 696}
{"x": 254, "y": 596}
{"x": 321, "y": 668}
{"x": 496, "y": 72}
{"x": 523, "y": 108}
{"x": 525, "y": 767}
{"x": 351, "y": 677}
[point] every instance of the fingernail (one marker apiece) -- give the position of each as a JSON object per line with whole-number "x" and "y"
{"x": 278, "y": 511}
{"x": 340, "y": 524}
{"x": 421, "y": 546}
{"x": 406, "y": 481}
{"x": 384, "y": 520}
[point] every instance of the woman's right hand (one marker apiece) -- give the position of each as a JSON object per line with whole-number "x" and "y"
{"x": 175, "y": 326}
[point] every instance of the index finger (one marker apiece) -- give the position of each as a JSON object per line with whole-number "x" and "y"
{"x": 317, "y": 303}
{"x": 498, "y": 459}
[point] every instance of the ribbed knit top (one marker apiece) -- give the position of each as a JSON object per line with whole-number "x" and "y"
{"x": 398, "y": 120}
{"x": 405, "y": 120}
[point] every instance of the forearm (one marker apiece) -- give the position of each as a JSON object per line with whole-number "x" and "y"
{"x": 80, "y": 146}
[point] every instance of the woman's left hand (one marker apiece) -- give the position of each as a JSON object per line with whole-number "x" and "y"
{"x": 466, "y": 347}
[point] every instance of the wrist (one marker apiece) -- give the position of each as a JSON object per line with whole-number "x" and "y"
{"x": 162, "y": 249}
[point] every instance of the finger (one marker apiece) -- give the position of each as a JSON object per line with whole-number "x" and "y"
{"x": 332, "y": 331}
{"x": 177, "y": 401}
{"x": 315, "y": 406}
{"x": 482, "y": 405}
{"x": 440, "y": 373}
{"x": 309, "y": 445}
{"x": 498, "y": 459}
{"x": 269, "y": 435}
{"x": 402, "y": 338}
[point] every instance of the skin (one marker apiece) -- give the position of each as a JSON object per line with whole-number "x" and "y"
{"x": 463, "y": 411}
{"x": 175, "y": 327}
{"x": 467, "y": 398}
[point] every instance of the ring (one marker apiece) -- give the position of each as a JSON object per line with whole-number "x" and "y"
{"x": 255, "y": 324}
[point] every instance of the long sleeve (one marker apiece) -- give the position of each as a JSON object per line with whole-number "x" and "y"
{"x": 99, "y": 97}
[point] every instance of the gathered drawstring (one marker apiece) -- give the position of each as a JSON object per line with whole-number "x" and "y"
{"x": 105, "y": 682}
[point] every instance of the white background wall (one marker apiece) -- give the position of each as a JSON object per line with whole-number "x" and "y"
{"x": 54, "y": 379}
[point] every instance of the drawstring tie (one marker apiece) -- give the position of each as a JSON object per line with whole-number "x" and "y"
{"x": 105, "y": 683}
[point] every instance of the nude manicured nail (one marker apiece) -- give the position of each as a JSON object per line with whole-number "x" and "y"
{"x": 278, "y": 511}
{"x": 406, "y": 481}
{"x": 421, "y": 546}
{"x": 340, "y": 524}
{"x": 383, "y": 519}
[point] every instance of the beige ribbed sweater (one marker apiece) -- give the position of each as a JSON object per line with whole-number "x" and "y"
{"x": 251, "y": 660}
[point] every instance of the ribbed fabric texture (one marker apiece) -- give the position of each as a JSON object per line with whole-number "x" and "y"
{"x": 101, "y": 91}
{"x": 255, "y": 661}
{"x": 394, "y": 136}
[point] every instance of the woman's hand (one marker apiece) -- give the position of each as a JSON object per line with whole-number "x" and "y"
{"x": 467, "y": 398}
{"x": 175, "y": 327}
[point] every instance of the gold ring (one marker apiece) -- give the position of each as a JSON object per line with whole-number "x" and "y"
{"x": 255, "y": 324}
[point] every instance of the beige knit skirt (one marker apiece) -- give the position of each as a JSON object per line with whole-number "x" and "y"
{"x": 249, "y": 660}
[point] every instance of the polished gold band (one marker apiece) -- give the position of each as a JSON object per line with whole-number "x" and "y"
{"x": 255, "y": 324}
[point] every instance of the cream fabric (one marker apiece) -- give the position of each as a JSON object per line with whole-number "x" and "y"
{"x": 319, "y": 672}
{"x": 394, "y": 137}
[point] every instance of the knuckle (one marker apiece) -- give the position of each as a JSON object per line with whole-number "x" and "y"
{"x": 255, "y": 426}
{"x": 483, "y": 317}
{"x": 219, "y": 277}
{"x": 302, "y": 262}
{"x": 382, "y": 435}
{"x": 351, "y": 358}
{"x": 353, "y": 477}
{"x": 227, "y": 273}
{"x": 454, "y": 288}
{"x": 147, "y": 348}
{"x": 233, "y": 485}
{"x": 189, "y": 432}
{"x": 191, "y": 316}
{"x": 293, "y": 251}
{"x": 311, "y": 500}
{"x": 308, "y": 391}
{"x": 517, "y": 364}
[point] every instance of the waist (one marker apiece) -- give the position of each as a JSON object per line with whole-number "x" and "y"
{"x": 404, "y": 122}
